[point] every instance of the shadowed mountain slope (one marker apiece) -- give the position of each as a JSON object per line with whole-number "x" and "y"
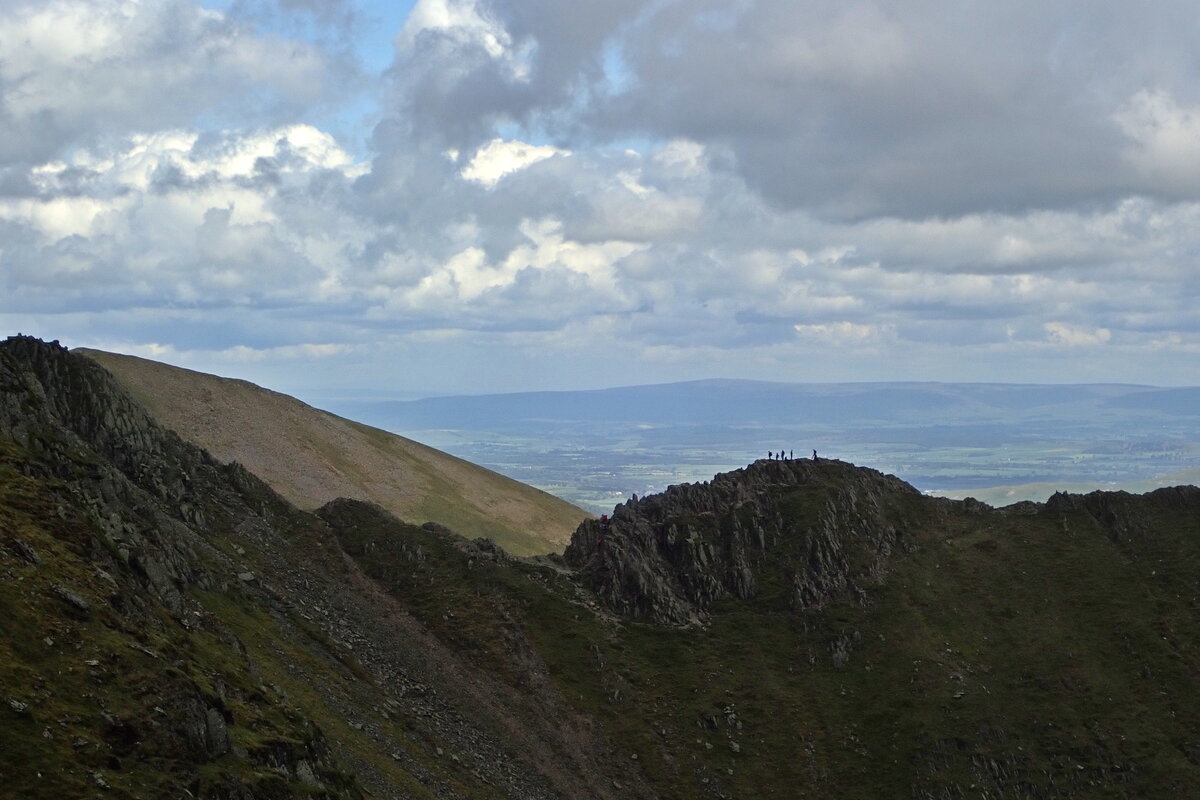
{"x": 792, "y": 629}
{"x": 311, "y": 457}
{"x": 174, "y": 628}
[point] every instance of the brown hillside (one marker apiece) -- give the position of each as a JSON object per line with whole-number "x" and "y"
{"x": 311, "y": 457}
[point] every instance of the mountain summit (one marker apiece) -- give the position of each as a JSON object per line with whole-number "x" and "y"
{"x": 669, "y": 557}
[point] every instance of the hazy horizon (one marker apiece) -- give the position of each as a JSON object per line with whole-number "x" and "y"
{"x": 597, "y": 447}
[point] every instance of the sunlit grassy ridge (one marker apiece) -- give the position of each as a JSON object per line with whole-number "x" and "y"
{"x": 311, "y": 457}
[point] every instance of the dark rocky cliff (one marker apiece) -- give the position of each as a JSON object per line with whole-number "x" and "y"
{"x": 819, "y": 529}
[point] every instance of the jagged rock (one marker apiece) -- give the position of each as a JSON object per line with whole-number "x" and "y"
{"x": 216, "y": 734}
{"x": 304, "y": 772}
{"x": 73, "y": 600}
{"x": 23, "y": 550}
{"x": 143, "y": 529}
{"x": 157, "y": 522}
{"x": 669, "y": 557}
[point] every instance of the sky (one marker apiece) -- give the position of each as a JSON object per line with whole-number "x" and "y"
{"x": 364, "y": 199}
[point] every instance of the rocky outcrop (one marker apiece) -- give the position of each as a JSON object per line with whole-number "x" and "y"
{"x": 1129, "y": 516}
{"x": 812, "y": 530}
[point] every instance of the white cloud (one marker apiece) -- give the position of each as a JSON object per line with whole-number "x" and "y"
{"x": 1175, "y": 343}
{"x": 845, "y": 333}
{"x": 1165, "y": 138}
{"x": 1075, "y": 336}
{"x": 498, "y": 158}
{"x": 904, "y": 191}
{"x": 174, "y": 216}
{"x": 469, "y": 282}
{"x": 238, "y": 354}
{"x": 683, "y": 156}
{"x": 77, "y": 69}
{"x": 296, "y": 352}
{"x": 463, "y": 24}
{"x": 459, "y": 18}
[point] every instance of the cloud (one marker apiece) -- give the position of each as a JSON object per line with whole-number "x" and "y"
{"x": 462, "y": 22}
{"x": 629, "y": 188}
{"x": 846, "y": 109}
{"x": 1164, "y": 140}
{"x": 1074, "y": 336}
{"x": 498, "y": 158}
{"x": 844, "y": 333}
{"x": 176, "y": 217}
{"x": 547, "y": 276}
{"x": 74, "y": 71}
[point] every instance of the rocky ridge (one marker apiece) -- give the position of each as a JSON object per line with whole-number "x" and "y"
{"x": 669, "y": 557}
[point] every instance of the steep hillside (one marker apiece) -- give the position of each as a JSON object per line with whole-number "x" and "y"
{"x": 793, "y": 629}
{"x": 311, "y": 457}
{"x": 173, "y": 628}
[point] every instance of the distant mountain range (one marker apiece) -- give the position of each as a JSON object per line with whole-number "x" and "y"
{"x": 802, "y": 629}
{"x": 762, "y": 403}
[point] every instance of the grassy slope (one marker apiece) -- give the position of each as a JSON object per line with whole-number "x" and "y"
{"x": 1009, "y": 656}
{"x": 311, "y": 457}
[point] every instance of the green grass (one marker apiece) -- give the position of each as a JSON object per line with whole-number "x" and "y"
{"x": 1007, "y": 652}
{"x": 325, "y": 454}
{"x": 104, "y": 690}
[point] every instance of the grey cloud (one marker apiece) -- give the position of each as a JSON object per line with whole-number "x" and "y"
{"x": 452, "y": 88}
{"x": 850, "y": 110}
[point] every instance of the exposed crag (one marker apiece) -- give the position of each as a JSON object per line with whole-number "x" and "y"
{"x": 114, "y": 521}
{"x": 669, "y": 557}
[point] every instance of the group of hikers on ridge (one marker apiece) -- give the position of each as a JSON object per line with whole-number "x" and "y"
{"x": 789, "y": 455}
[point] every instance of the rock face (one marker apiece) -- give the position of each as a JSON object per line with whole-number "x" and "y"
{"x": 669, "y": 557}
